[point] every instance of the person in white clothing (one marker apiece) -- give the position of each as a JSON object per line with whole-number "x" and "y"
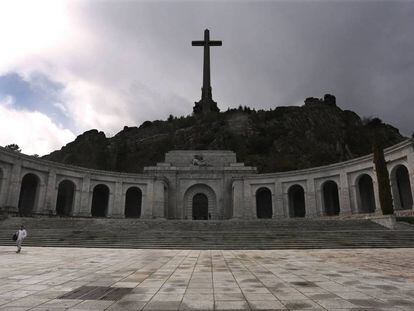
{"x": 21, "y": 235}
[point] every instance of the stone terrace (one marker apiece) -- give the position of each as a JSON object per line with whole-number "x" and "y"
{"x": 374, "y": 279}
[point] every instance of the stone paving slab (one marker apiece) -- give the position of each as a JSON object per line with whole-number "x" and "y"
{"x": 362, "y": 279}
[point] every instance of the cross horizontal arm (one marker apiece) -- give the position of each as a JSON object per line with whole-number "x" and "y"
{"x": 215, "y": 43}
{"x": 197, "y": 43}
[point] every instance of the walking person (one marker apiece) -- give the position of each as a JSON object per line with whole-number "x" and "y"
{"x": 21, "y": 235}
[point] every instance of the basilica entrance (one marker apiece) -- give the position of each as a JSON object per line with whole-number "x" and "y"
{"x": 200, "y": 207}
{"x": 200, "y": 203}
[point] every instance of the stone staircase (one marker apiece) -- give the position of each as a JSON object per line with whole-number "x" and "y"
{"x": 227, "y": 234}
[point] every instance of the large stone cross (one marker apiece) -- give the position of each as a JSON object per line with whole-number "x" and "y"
{"x": 206, "y": 104}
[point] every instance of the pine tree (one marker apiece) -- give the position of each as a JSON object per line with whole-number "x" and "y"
{"x": 383, "y": 178}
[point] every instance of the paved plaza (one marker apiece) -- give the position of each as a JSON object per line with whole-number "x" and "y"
{"x": 358, "y": 279}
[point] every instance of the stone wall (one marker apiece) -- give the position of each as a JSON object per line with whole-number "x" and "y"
{"x": 167, "y": 190}
{"x": 346, "y": 176}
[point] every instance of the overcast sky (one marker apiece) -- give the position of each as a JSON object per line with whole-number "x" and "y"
{"x": 70, "y": 66}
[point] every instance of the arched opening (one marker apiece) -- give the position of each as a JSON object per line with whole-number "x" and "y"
{"x": 200, "y": 207}
{"x": 264, "y": 203}
{"x": 330, "y": 198}
{"x": 100, "y": 198}
{"x": 64, "y": 202}
{"x": 402, "y": 188}
{"x": 28, "y": 194}
{"x": 133, "y": 201}
{"x": 296, "y": 196}
{"x": 366, "y": 194}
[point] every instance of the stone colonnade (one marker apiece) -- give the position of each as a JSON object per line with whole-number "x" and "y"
{"x": 30, "y": 185}
{"x": 339, "y": 189}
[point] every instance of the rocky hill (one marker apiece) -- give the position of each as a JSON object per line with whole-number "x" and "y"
{"x": 285, "y": 138}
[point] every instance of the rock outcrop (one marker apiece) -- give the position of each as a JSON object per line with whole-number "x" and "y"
{"x": 284, "y": 138}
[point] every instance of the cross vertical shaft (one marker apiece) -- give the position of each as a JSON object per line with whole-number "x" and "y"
{"x": 206, "y": 104}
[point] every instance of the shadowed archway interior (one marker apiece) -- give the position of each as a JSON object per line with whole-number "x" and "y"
{"x": 200, "y": 207}
{"x": 331, "y": 198}
{"x": 100, "y": 198}
{"x": 296, "y": 196}
{"x": 264, "y": 203}
{"x": 133, "y": 201}
{"x": 28, "y": 194}
{"x": 366, "y": 194}
{"x": 403, "y": 188}
{"x": 65, "y": 196}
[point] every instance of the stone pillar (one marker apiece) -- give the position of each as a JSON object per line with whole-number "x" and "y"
{"x": 410, "y": 161}
{"x": 319, "y": 201}
{"x": 117, "y": 210}
{"x": 14, "y": 188}
{"x": 147, "y": 202}
{"x": 378, "y": 210}
{"x": 238, "y": 199}
{"x": 249, "y": 204}
{"x": 50, "y": 195}
{"x": 310, "y": 199}
{"x": 76, "y": 210}
{"x": 278, "y": 206}
{"x": 158, "y": 199}
{"x": 111, "y": 203}
{"x": 40, "y": 205}
{"x": 344, "y": 195}
{"x": 84, "y": 210}
{"x": 3, "y": 187}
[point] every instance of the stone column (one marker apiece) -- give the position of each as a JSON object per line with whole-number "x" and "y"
{"x": 310, "y": 200}
{"x": 238, "y": 199}
{"x": 378, "y": 210}
{"x": 410, "y": 161}
{"x": 158, "y": 199}
{"x": 111, "y": 203}
{"x": 117, "y": 208}
{"x": 49, "y": 206}
{"x": 278, "y": 206}
{"x": 84, "y": 209}
{"x": 14, "y": 188}
{"x": 147, "y": 202}
{"x": 3, "y": 187}
{"x": 344, "y": 195}
{"x": 249, "y": 207}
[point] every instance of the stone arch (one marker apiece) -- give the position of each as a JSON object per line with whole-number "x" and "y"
{"x": 264, "y": 207}
{"x": 100, "y": 199}
{"x": 133, "y": 202}
{"x": 296, "y": 196}
{"x": 29, "y": 192}
{"x": 65, "y": 198}
{"x": 366, "y": 195}
{"x": 401, "y": 187}
{"x": 330, "y": 195}
{"x": 208, "y": 192}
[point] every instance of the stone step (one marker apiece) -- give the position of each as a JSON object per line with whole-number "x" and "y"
{"x": 260, "y": 234}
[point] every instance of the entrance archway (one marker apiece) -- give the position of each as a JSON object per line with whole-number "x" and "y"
{"x": 366, "y": 194}
{"x": 28, "y": 194}
{"x": 264, "y": 203}
{"x": 330, "y": 198}
{"x": 296, "y": 196}
{"x": 401, "y": 188}
{"x": 64, "y": 202}
{"x": 194, "y": 202}
{"x": 133, "y": 201}
{"x": 100, "y": 198}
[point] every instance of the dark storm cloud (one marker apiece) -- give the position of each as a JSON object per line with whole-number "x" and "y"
{"x": 273, "y": 53}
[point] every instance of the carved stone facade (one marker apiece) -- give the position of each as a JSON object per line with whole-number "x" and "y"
{"x": 226, "y": 189}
